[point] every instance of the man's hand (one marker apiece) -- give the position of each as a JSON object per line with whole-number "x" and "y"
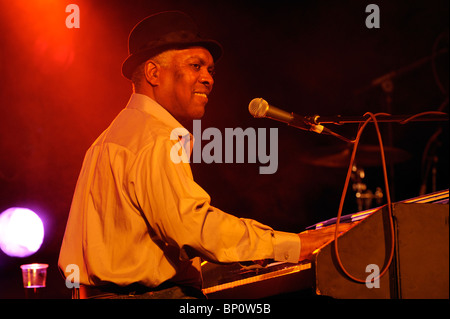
{"x": 313, "y": 239}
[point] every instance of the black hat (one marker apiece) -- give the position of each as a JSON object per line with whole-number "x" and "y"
{"x": 161, "y": 32}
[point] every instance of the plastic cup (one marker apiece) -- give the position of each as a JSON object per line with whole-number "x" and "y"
{"x": 34, "y": 275}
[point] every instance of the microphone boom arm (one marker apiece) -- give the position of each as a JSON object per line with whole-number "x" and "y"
{"x": 259, "y": 108}
{"x": 387, "y": 118}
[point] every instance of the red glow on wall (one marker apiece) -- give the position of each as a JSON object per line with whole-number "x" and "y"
{"x": 39, "y": 29}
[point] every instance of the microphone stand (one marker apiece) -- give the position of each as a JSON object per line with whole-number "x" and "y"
{"x": 402, "y": 119}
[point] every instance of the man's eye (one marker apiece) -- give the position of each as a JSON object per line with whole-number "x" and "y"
{"x": 196, "y": 66}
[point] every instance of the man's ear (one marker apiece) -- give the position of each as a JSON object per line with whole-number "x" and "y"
{"x": 151, "y": 71}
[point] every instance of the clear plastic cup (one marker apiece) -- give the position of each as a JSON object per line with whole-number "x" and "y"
{"x": 34, "y": 275}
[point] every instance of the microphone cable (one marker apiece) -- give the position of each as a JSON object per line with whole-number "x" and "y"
{"x": 388, "y": 199}
{"x": 372, "y": 117}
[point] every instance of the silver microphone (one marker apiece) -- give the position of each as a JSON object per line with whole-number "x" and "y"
{"x": 259, "y": 108}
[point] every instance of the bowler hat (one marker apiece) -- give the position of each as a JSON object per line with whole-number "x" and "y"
{"x": 161, "y": 32}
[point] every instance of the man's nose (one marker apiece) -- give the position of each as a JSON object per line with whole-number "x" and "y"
{"x": 206, "y": 78}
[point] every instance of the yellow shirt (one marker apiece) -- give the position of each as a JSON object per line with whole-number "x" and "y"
{"x": 137, "y": 217}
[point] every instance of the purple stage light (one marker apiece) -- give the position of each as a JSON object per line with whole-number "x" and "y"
{"x": 21, "y": 232}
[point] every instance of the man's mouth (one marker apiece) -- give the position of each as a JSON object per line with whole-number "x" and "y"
{"x": 201, "y": 94}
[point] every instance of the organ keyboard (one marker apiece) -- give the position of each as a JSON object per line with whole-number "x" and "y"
{"x": 420, "y": 268}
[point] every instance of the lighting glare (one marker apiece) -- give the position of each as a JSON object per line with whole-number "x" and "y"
{"x": 21, "y": 232}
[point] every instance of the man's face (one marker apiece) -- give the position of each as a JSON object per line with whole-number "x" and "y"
{"x": 185, "y": 83}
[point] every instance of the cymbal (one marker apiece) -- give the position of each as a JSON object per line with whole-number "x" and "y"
{"x": 366, "y": 156}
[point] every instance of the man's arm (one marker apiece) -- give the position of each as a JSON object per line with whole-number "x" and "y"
{"x": 316, "y": 238}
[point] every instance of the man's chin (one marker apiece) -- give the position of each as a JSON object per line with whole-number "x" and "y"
{"x": 188, "y": 121}
{"x": 198, "y": 113}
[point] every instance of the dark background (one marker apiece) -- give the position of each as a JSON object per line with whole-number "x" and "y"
{"x": 61, "y": 87}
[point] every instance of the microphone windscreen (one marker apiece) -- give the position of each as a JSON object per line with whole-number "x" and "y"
{"x": 258, "y": 107}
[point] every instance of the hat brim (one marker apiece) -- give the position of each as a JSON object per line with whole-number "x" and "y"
{"x": 134, "y": 60}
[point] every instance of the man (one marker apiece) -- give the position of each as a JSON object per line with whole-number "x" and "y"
{"x": 139, "y": 224}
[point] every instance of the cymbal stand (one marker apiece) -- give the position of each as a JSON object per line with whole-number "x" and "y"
{"x": 364, "y": 196}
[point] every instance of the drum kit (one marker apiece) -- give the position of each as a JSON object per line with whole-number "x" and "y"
{"x": 339, "y": 156}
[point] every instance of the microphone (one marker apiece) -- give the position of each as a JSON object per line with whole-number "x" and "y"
{"x": 259, "y": 108}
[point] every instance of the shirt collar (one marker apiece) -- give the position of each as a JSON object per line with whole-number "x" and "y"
{"x": 148, "y": 105}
